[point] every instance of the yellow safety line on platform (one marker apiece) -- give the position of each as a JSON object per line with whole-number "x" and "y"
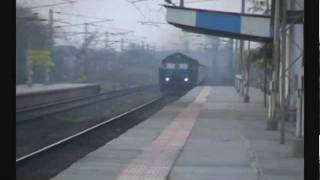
{"x": 156, "y": 161}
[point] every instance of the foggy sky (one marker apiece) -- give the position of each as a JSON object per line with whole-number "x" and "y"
{"x": 126, "y": 17}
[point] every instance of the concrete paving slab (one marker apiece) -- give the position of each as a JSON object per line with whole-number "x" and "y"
{"x": 130, "y": 143}
{"x": 233, "y": 106}
{"x": 106, "y": 155}
{"x": 283, "y": 167}
{"x": 163, "y": 115}
{"x": 215, "y": 154}
{"x": 230, "y": 134}
{"x": 212, "y": 173}
{"x": 216, "y": 130}
{"x": 95, "y": 171}
{"x": 158, "y": 158}
{"x": 227, "y": 142}
{"x": 108, "y": 161}
{"x": 232, "y": 115}
{"x": 154, "y": 124}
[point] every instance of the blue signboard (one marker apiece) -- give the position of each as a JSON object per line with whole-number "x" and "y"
{"x": 218, "y": 21}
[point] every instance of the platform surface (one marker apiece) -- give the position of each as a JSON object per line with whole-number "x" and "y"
{"x": 207, "y": 134}
{"x": 38, "y": 88}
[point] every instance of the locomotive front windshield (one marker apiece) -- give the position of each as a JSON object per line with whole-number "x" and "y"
{"x": 176, "y": 70}
{"x": 182, "y": 66}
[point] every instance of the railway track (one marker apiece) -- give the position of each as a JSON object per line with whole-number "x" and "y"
{"x": 47, "y": 109}
{"x": 46, "y": 162}
{"x": 83, "y": 132}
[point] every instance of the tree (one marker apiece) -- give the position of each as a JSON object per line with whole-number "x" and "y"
{"x": 258, "y": 57}
{"x": 261, "y": 54}
{"x": 30, "y": 32}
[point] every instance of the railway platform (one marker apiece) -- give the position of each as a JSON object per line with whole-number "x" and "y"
{"x": 39, "y": 94}
{"x": 207, "y": 134}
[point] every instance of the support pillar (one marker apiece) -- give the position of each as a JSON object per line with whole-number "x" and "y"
{"x": 272, "y": 122}
{"x": 246, "y": 75}
{"x": 298, "y": 141}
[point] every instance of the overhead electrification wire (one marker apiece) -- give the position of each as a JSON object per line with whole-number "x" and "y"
{"x": 198, "y": 1}
{"x": 51, "y": 5}
{"x": 156, "y": 25}
{"x": 76, "y": 33}
{"x": 82, "y": 23}
{"x": 61, "y": 21}
{"x": 30, "y": 18}
{"x": 115, "y": 28}
{"x": 137, "y": 9}
{"x": 80, "y": 15}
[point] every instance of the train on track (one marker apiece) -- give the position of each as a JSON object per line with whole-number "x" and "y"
{"x": 179, "y": 73}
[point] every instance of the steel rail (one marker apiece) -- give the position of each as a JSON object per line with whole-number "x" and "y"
{"x": 42, "y": 110}
{"x": 65, "y": 140}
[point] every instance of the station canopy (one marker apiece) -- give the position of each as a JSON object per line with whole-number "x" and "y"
{"x": 224, "y": 24}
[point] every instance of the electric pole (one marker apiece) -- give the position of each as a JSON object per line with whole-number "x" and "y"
{"x": 85, "y": 57}
{"x": 51, "y": 43}
{"x": 81, "y": 67}
{"x": 268, "y": 9}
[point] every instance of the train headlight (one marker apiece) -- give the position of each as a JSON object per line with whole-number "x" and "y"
{"x": 186, "y": 79}
{"x": 167, "y": 79}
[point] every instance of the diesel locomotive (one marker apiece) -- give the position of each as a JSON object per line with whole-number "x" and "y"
{"x": 179, "y": 73}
